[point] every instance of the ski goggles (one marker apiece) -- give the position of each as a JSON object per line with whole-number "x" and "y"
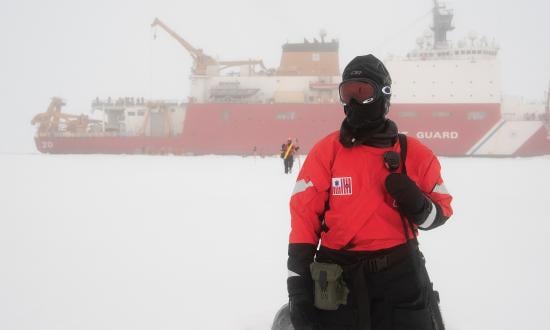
{"x": 363, "y": 91}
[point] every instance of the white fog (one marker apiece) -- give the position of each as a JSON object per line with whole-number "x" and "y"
{"x": 79, "y": 50}
{"x": 200, "y": 242}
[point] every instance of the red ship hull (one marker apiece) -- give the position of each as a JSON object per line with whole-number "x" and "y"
{"x": 109, "y": 144}
{"x": 247, "y": 129}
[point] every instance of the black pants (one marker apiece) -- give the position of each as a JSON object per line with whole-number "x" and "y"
{"x": 289, "y": 161}
{"x": 399, "y": 297}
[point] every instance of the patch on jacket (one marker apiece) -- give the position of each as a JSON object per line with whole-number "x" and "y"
{"x": 341, "y": 186}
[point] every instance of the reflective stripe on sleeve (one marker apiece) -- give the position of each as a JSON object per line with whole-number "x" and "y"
{"x": 430, "y": 219}
{"x": 300, "y": 186}
{"x": 440, "y": 189}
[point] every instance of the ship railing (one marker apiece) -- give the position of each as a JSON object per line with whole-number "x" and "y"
{"x": 124, "y": 101}
{"x": 100, "y": 104}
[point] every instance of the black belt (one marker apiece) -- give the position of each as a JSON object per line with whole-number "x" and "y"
{"x": 374, "y": 261}
{"x": 377, "y": 264}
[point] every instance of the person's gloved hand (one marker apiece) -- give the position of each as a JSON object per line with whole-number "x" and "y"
{"x": 303, "y": 314}
{"x": 411, "y": 202}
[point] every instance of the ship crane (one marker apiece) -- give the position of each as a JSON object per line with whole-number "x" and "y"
{"x": 54, "y": 121}
{"x": 202, "y": 61}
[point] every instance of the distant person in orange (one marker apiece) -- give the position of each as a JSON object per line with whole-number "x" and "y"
{"x": 288, "y": 150}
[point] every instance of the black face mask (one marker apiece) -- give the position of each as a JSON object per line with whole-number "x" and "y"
{"x": 365, "y": 116}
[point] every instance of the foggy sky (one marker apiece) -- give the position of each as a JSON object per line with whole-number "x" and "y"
{"x": 82, "y": 49}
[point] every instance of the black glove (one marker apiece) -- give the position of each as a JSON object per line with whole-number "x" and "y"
{"x": 411, "y": 202}
{"x": 303, "y": 314}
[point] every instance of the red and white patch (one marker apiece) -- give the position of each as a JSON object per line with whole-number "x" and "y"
{"x": 341, "y": 186}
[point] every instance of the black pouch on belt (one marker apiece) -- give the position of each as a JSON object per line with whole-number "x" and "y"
{"x": 330, "y": 289}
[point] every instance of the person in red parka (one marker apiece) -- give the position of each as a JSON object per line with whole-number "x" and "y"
{"x": 359, "y": 200}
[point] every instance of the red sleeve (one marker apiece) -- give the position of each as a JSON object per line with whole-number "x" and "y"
{"x": 307, "y": 204}
{"x": 426, "y": 172}
{"x": 432, "y": 184}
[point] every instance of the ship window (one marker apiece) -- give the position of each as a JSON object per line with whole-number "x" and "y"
{"x": 477, "y": 115}
{"x": 315, "y": 57}
{"x": 441, "y": 114}
{"x": 407, "y": 114}
{"x": 289, "y": 115}
{"x": 131, "y": 113}
{"x": 141, "y": 113}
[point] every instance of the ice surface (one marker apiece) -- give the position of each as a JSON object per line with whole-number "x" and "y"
{"x": 144, "y": 242}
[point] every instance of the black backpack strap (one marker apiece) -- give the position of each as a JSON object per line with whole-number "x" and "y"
{"x": 403, "y": 147}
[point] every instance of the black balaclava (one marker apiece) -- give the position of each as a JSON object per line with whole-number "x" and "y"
{"x": 365, "y": 116}
{"x": 367, "y": 123}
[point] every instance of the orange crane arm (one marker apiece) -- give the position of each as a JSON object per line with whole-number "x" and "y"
{"x": 201, "y": 60}
{"x": 195, "y": 52}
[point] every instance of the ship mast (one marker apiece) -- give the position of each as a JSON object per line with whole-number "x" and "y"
{"x": 442, "y": 23}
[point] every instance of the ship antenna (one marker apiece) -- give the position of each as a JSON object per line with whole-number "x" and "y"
{"x": 442, "y": 23}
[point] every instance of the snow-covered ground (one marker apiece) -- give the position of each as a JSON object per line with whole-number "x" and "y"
{"x": 144, "y": 242}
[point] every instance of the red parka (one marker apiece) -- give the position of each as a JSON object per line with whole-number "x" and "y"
{"x": 340, "y": 198}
